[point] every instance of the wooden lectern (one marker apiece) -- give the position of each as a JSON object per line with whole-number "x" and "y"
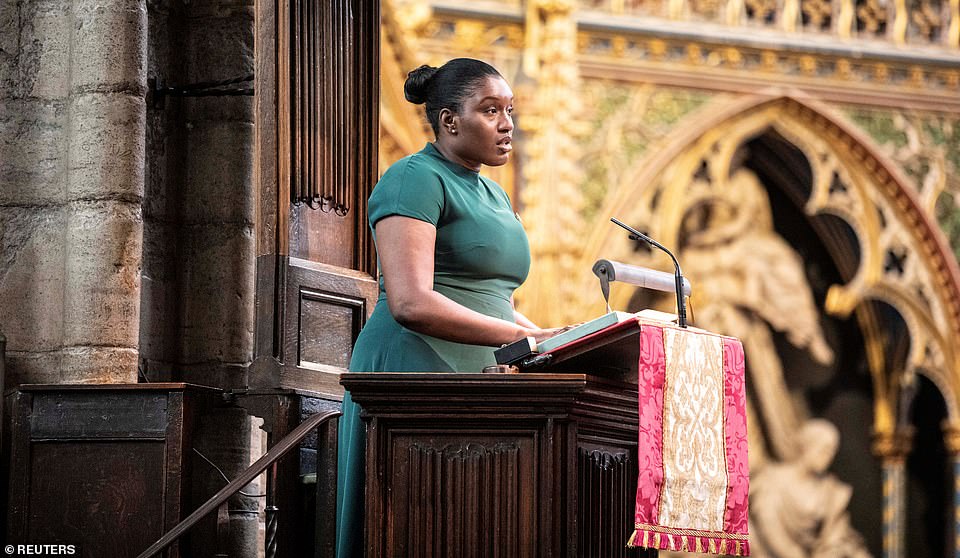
{"x": 513, "y": 465}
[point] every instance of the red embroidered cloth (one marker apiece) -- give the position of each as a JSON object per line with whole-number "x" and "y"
{"x": 694, "y": 478}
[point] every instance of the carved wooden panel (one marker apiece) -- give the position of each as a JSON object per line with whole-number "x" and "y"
{"x": 530, "y": 464}
{"x": 328, "y": 147}
{"x": 325, "y": 318}
{"x": 607, "y": 485}
{"x": 463, "y": 496}
{"x": 326, "y": 306}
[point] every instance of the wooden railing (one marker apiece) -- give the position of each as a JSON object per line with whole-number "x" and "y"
{"x": 326, "y": 486}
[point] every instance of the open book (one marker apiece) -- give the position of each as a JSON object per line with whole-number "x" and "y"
{"x": 518, "y": 350}
{"x": 582, "y": 330}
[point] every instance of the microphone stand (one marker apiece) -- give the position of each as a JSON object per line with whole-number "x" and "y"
{"x": 678, "y": 277}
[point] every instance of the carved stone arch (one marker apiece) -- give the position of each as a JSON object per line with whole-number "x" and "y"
{"x": 873, "y": 198}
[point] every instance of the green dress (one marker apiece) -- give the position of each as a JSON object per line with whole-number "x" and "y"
{"x": 481, "y": 255}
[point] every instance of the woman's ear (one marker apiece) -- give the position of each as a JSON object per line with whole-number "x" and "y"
{"x": 449, "y": 120}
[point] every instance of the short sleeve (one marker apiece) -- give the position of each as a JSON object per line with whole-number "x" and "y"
{"x": 410, "y": 188}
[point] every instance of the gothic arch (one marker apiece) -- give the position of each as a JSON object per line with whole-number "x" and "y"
{"x": 852, "y": 181}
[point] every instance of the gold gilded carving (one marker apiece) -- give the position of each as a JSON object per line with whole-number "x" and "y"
{"x": 951, "y": 78}
{"x": 926, "y": 20}
{"x": 676, "y": 8}
{"x": 734, "y": 10}
{"x": 951, "y": 437}
{"x": 844, "y": 69}
{"x": 619, "y": 46}
{"x": 881, "y": 73}
{"x": 845, "y": 19}
{"x": 707, "y": 9}
{"x": 817, "y": 14}
{"x": 551, "y": 196}
{"x": 403, "y": 127}
{"x": 469, "y": 35}
{"x": 761, "y": 11}
{"x": 769, "y": 60}
{"x": 894, "y": 445}
{"x": 657, "y": 48}
{"x": 851, "y": 77}
{"x": 916, "y": 76}
{"x": 953, "y": 33}
{"x": 872, "y": 17}
{"x": 900, "y": 21}
{"x": 924, "y": 291}
{"x": 732, "y": 56}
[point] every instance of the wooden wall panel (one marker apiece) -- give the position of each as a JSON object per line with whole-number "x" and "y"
{"x": 333, "y": 115}
{"x": 121, "y": 485}
{"x": 324, "y": 315}
{"x": 317, "y": 134}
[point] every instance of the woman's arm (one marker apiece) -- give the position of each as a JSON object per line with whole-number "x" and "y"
{"x": 406, "y": 250}
{"x": 520, "y": 318}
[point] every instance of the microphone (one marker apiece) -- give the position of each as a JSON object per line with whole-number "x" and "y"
{"x": 639, "y": 276}
{"x": 678, "y": 276}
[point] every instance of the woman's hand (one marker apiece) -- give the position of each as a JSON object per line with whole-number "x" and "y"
{"x": 542, "y": 334}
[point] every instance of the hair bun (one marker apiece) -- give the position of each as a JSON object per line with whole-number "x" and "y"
{"x": 415, "y": 89}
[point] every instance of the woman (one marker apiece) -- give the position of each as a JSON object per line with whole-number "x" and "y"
{"x": 451, "y": 252}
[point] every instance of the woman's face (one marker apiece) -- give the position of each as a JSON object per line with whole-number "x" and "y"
{"x": 482, "y": 132}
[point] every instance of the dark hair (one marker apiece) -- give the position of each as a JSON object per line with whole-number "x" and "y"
{"x": 445, "y": 87}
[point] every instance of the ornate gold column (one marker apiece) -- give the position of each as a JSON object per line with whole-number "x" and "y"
{"x": 893, "y": 449}
{"x": 951, "y": 438}
{"x": 551, "y": 194}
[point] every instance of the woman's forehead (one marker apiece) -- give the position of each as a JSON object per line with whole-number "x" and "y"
{"x": 494, "y": 87}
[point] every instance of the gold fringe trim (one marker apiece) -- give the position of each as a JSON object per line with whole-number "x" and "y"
{"x": 690, "y": 532}
{"x": 644, "y": 538}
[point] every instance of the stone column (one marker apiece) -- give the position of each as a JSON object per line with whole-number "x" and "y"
{"x": 951, "y": 435}
{"x": 216, "y": 244}
{"x": 34, "y": 92}
{"x": 892, "y": 448}
{"x": 104, "y": 229}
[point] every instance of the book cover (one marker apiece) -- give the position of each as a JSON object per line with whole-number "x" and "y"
{"x": 583, "y": 330}
{"x": 516, "y": 351}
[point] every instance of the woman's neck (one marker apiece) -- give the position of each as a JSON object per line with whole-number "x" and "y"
{"x": 448, "y": 153}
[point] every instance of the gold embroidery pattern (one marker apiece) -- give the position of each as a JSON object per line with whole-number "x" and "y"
{"x": 694, "y": 456}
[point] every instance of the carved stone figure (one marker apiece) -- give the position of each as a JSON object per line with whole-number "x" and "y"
{"x": 798, "y": 509}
